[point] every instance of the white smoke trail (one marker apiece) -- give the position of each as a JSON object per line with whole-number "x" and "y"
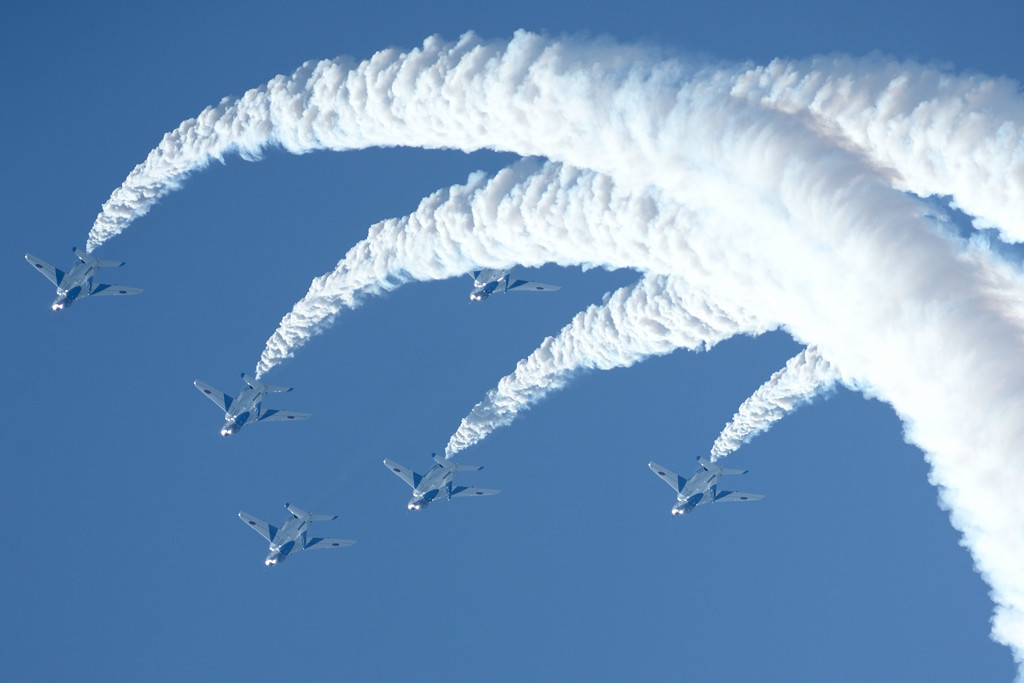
{"x": 571, "y": 217}
{"x": 805, "y": 376}
{"x": 655, "y": 316}
{"x": 940, "y": 133}
{"x": 817, "y": 239}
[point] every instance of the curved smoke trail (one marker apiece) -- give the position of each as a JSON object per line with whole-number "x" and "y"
{"x": 805, "y": 376}
{"x": 941, "y": 134}
{"x": 828, "y": 247}
{"x": 572, "y": 217}
{"x": 653, "y": 317}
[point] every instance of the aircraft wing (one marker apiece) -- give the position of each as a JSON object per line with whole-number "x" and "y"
{"x": 274, "y": 415}
{"x": 735, "y": 496}
{"x": 407, "y": 475}
{"x": 326, "y": 543}
{"x": 112, "y": 290}
{"x": 471, "y": 491}
{"x": 668, "y": 476}
{"x": 528, "y": 286}
{"x": 222, "y": 400}
{"x": 265, "y": 530}
{"x": 54, "y": 275}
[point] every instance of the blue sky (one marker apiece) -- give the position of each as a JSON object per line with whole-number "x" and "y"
{"x": 123, "y": 556}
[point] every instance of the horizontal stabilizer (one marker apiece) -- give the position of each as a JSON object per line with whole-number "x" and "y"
{"x": 86, "y": 257}
{"x": 708, "y": 465}
{"x": 459, "y": 467}
{"x": 302, "y": 514}
{"x": 314, "y": 543}
{"x": 736, "y": 497}
{"x": 269, "y": 388}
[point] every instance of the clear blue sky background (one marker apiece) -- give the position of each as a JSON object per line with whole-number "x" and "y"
{"x": 123, "y": 558}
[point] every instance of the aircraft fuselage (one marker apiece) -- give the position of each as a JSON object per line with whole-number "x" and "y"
{"x": 244, "y": 409}
{"x": 291, "y": 534}
{"x": 700, "y": 488}
{"x": 77, "y": 279}
{"x": 436, "y": 480}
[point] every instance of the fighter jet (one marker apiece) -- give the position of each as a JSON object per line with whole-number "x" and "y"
{"x": 246, "y": 409}
{"x": 77, "y": 283}
{"x": 437, "y": 482}
{"x": 490, "y": 280}
{"x": 292, "y": 536}
{"x": 701, "y": 487}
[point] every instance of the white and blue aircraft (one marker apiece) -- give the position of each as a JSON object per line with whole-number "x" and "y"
{"x": 701, "y": 487}
{"x": 292, "y": 536}
{"x": 491, "y": 280}
{"x": 437, "y": 482}
{"x": 247, "y": 408}
{"x": 77, "y": 283}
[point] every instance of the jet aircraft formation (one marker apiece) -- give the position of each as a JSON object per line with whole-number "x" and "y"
{"x": 247, "y": 408}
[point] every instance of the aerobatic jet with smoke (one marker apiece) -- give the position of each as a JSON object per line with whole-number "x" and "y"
{"x": 491, "y": 280}
{"x": 701, "y": 488}
{"x": 437, "y": 482}
{"x": 248, "y": 407}
{"x": 77, "y": 283}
